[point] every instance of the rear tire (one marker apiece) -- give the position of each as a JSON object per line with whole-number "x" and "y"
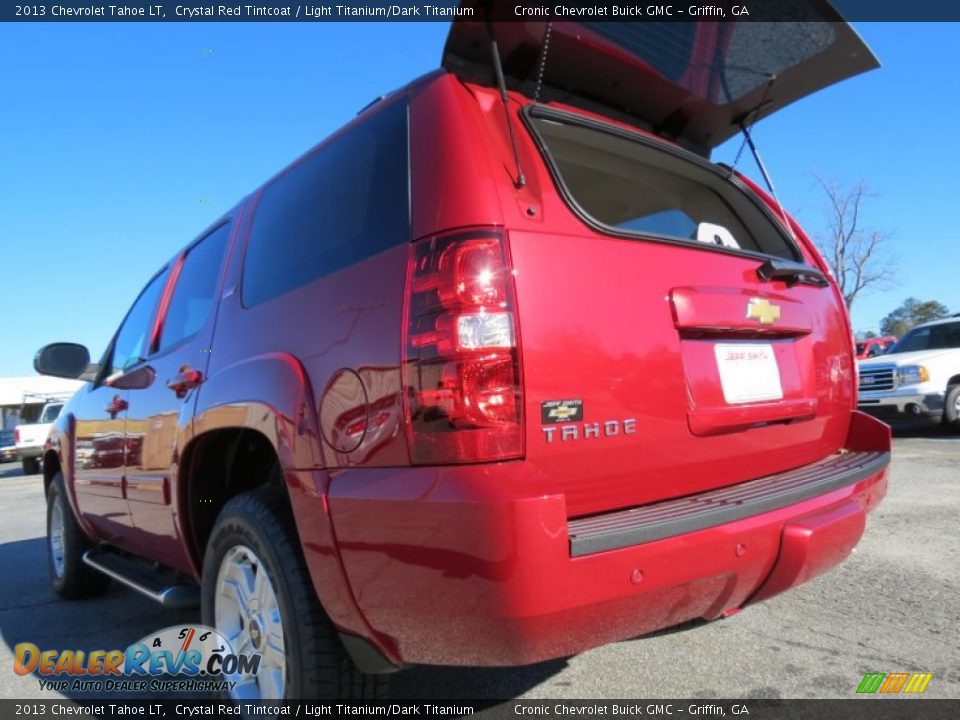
{"x": 70, "y": 576}
{"x": 31, "y": 465}
{"x": 254, "y": 545}
{"x": 951, "y": 409}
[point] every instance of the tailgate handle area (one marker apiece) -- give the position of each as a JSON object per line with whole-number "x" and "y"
{"x": 717, "y": 312}
{"x": 791, "y": 273}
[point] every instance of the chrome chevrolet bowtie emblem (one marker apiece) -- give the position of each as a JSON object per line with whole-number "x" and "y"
{"x": 763, "y": 311}
{"x": 562, "y": 413}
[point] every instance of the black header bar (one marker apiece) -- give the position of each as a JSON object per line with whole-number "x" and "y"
{"x": 447, "y": 10}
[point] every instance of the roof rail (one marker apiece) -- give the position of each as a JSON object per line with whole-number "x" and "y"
{"x": 30, "y": 398}
{"x": 370, "y": 104}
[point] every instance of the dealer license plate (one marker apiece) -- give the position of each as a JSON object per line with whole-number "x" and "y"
{"x": 748, "y": 373}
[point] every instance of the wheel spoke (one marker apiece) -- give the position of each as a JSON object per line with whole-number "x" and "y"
{"x": 245, "y": 680}
{"x": 55, "y": 532}
{"x": 261, "y": 589}
{"x": 239, "y": 582}
{"x": 247, "y": 688}
{"x": 245, "y": 645}
{"x": 248, "y": 581}
{"x": 272, "y": 657}
{"x": 244, "y": 599}
{"x": 265, "y": 684}
{"x": 275, "y": 638}
{"x": 271, "y": 683}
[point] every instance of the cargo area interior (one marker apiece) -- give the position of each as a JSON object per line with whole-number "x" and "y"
{"x": 631, "y": 185}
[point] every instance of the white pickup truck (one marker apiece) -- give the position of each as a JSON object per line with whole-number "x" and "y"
{"x": 29, "y": 438}
{"x": 919, "y": 378}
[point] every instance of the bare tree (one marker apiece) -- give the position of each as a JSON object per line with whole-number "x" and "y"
{"x": 912, "y": 312}
{"x": 859, "y": 256}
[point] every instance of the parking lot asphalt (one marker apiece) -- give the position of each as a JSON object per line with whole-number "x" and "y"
{"x": 893, "y": 606}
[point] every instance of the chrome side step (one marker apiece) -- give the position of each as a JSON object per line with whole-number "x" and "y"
{"x": 158, "y": 585}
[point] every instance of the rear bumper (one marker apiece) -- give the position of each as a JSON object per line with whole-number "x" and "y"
{"x": 32, "y": 451}
{"x": 474, "y": 565}
{"x": 671, "y": 518}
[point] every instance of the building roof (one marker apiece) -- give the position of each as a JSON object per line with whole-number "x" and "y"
{"x": 13, "y": 389}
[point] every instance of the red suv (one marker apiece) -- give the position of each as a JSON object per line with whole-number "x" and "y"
{"x": 503, "y": 370}
{"x": 874, "y": 347}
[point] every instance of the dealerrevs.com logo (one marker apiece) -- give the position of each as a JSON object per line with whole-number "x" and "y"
{"x": 191, "y": 658}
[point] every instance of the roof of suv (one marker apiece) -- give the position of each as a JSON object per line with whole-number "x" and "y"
{"x": 944, "y": 321}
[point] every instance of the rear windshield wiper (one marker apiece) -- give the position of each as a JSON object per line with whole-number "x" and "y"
{"x": 792, "y": 273}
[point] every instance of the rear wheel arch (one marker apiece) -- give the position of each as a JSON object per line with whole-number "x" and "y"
{"x": 51, "y": 466}
{"x": 226, "y": 464}
{"x": 215, "y": 467}
{"x": 255, "y": 542}
{"x": 278, "y": 402}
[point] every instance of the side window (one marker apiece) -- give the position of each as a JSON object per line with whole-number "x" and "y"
{"x": 944, "y": 336}
{"x": 131, "y": 344}
{"x": 196, "y": 286}
{"x": 916, "y": 339}
{"x": 50, "y": 413}
{"x": 345, "y": 202}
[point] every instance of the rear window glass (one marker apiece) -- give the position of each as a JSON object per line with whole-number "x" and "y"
{"x": 631, "y": 187}
{"x": 753, "y": 52}
{"x": 345, "y": 202}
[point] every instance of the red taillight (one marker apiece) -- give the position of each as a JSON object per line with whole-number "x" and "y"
{"x": 461, "y": 364}
{"x": 16, "y": 435}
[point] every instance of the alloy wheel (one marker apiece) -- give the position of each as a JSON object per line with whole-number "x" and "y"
{"x": 247, "y": 613}
{"x": 55, "y": 537}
